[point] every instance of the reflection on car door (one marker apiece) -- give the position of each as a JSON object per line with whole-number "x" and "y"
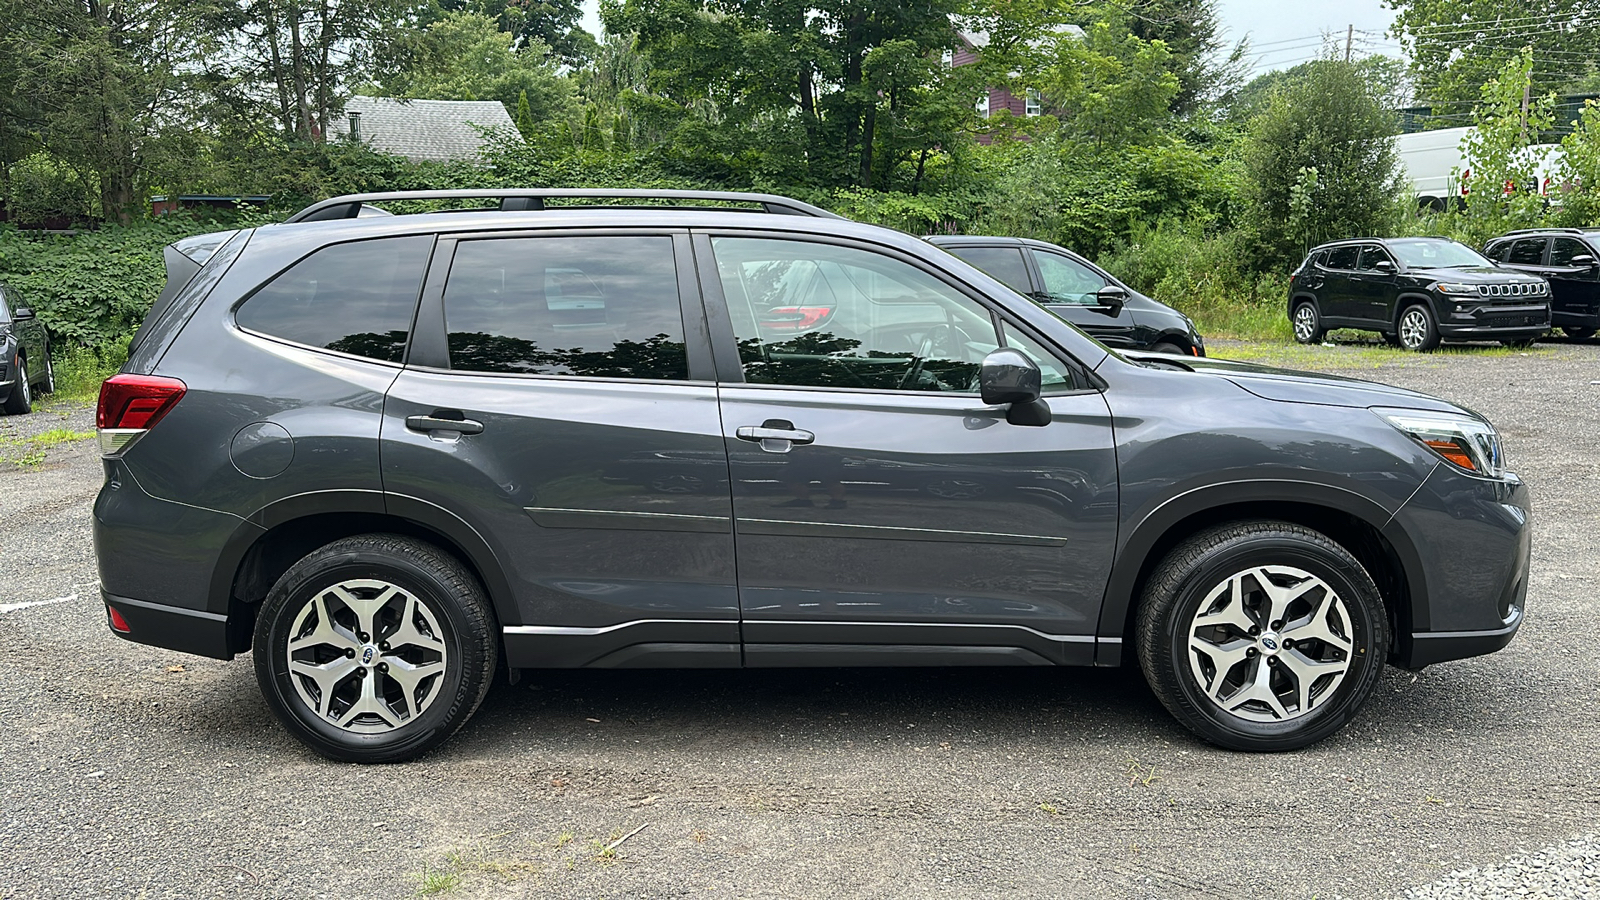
{"x": 880, "y": 508}
{"x": 1069, "y": 291}
{"x": 589, "y": 454}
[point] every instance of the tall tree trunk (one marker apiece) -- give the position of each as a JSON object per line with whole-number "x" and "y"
{"x": 279, "y": 76}
{"x": 916, "y": 180}
{"x": 297, "y": 58}
{"x": 324, "y": 92}
{"x": 866, "y": 144}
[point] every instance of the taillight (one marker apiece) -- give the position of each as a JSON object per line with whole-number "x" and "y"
{"x": 131, "y": 405}
{"x": 118, "y": 623}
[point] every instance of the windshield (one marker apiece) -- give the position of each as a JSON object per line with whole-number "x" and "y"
{"x": 1436, "y": 253}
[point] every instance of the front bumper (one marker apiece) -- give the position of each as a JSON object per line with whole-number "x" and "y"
{"x": 1470, "y": 543}
{"x": 1473, "y": 320}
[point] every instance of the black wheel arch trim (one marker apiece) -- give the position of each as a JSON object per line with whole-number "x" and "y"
{"x": 1134, "y": 558}
{"x": 1402, "y": 301}
{"x": 460, "y": 536}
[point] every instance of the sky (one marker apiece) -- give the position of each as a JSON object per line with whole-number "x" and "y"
{"x": 1282, "y": 32}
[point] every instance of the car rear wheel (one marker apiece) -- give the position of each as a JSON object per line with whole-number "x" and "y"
{"x": 375, "y": 648}
{"x": 1578, "y": 333}
{"x": 1307, "y": 323}
{"x": 1519, "y": 343}
{"x": 48, "y": 386}
{"x": 1418, "y": 330}
{"x": 20, "y": 400}
{"x": 1262, "y": 635}
{"x": 1168, "y": 347}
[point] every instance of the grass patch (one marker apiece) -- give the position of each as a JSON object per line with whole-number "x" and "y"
{"x": 1353, "y": 353}
{"x": 30, "y": 452}
{"x": 80, "y": 369}
{"x": 433, "y": 882}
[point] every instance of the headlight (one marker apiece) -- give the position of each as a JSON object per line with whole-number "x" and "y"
{"x": 1447, "y": 287}
{"x": 1466, "y": 442}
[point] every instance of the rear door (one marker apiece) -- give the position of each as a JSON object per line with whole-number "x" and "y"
{"x": 588, "y": 453}
{"x": 1527, "y": 254}
{"x": 1340, "y": 301}
{"x": 1374, "y": 290}
{"x": 883, "y": 513}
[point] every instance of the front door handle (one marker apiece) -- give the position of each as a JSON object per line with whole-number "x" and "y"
{"x": 771, "y": 432}
{"x": 440, "y": 423}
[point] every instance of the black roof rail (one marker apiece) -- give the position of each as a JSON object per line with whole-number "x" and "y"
{"x": 1543, "y": 231}
{"x": 350, "y": 206}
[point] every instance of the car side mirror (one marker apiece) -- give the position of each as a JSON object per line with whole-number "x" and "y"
{"x": 1009, "y": 377}
{"x": 1112, "y": 297}
{"x": 1582, "y": 259}
{"x": 22, "y": 313}
{"x": 1384, "y": 266}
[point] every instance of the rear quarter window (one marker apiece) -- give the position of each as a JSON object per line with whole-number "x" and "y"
{"x": 357, "y": 298}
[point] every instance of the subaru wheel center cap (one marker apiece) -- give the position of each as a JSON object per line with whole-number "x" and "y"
{"x": 1270, "y": 643}
{"x": 368, "y": 654}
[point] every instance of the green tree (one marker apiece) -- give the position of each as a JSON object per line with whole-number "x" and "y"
{"x": 1319, "y": 163}
{"x": 551, "y": 26}
{"x": 464, "y": 56}
{"x": 1498, "y": 152}
{"x": 1458, "y": 46}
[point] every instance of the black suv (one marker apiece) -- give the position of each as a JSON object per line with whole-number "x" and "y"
{"x": 390, "y": 454}
{"x": 25, "y": 366}
{"x": 1416, "y": 292}
{"x": 1569, "y": 259}
{"x": 1080, "y": 292}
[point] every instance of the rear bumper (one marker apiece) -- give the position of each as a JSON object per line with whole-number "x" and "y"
{"x": 174, "y": 628}
{"x": 1576, "y": 318}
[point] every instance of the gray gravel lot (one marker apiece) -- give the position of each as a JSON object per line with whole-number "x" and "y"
{"x": 128, "y": 771}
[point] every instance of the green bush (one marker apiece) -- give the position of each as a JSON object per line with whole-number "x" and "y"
{"x": 94, "y": 288}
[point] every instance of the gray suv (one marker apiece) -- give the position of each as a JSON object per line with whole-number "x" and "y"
{"x": 389, "y": 455}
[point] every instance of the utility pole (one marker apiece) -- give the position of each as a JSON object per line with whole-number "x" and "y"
{"x": 1349, "y": 35}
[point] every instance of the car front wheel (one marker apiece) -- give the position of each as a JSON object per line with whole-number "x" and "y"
{"x": 1262, "y": 635}
{"x": 1418, "y": 330}
{"x": 1307, "y": 323}
{"x": 375, "y": 648}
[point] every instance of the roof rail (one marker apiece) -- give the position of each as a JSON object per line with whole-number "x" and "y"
{"x": 1543, "y": 231}
{"x": 350, "y": 206}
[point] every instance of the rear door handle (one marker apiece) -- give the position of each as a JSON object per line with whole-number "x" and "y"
{"x": 439, "y": 423}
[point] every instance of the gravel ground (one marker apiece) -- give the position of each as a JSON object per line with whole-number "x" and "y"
{"x": 129, "y": 771}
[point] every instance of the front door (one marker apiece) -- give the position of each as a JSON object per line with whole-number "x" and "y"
{"x": 1374, "y": 289}
{"x": 1574, "y": 287}
{"x": 883, "y": 514}
{"x": 1070, "y": 289}
{"x": 1340, "y": 297}
{"x": 559, "y": 402}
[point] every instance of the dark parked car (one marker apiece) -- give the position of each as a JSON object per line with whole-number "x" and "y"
{"x": 1567, "y": 258}
{"x": 1416, "y": 292}
{"x": 25, "y": 367}
{"x": 1080, "y": 292}
{"x": 389, "y": 454}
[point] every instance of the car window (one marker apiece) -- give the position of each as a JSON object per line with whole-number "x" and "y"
{"x": 1067, "y": 280}
{"x": 356, "y": 298}
{"x": 1057, "y": 377}
{"x": 824, "y": 315}
{"x": 1371, "y": 254}
{"x": 5, "y": 313}
{"x": 1342, "y": 257}
{"x": 1004, "y": 264}
{"x": 1562, "y": 251}
{"x": 1526, "y": 252}
{"x": 1435, "y": 253}
{"x": 602, "y": 307}
{"x": 1497, "y": 250}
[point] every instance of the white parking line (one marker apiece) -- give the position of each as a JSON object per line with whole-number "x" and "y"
{"x": 13, "y": 607}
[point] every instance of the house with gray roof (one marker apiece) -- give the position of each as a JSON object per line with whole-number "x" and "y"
{"x": 419, "y": 130}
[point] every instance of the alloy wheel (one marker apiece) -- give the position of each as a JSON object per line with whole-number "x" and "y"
{"x": 367, "y": 655}
{"x": 1305, "y": 323}
{"x": 1414, "y": 328}
{"x": 1270, "y": 643}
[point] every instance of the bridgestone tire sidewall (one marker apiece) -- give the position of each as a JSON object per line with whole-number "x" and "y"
{"x": 464, "y": 678}
{"x": 1368, "y": 624}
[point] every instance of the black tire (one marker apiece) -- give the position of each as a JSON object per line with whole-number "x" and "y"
{"x": 1199, "y": 572}
{"x": 1391, "y": 338}
{"x": 20, "y": 400}
{"x": 1168, "y": 347}
{"x": 1577, "y": 333}
{"x": 1306, "y": 321}
{"x": 451, "y": 620}
{"x": 48, "y": 386}
{"x": 1520, "y": 343}
{"x": 1417, "y": 329}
